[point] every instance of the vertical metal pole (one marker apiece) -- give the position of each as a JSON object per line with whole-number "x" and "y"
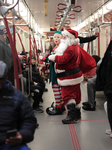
{"x": 30, "y": 56}
{"x": 102, "y": 11}
{"x": 22, "y": 46}
{"x": 14, "y": 42}
{"x": 98, "y": 16}
{"x": 16, "y": 79}
{"x": 111, "y": 29}
{"x": 98, "y": 44}
{"x": 36, "y": 48}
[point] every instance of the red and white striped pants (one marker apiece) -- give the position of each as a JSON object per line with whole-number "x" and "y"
{"x": 57, "y": 95}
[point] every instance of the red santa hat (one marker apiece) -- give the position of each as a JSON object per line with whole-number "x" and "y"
{"x": 71, "y": 33}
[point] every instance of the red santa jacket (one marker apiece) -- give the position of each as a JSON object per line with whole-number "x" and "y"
{"x": 67, "y": 62}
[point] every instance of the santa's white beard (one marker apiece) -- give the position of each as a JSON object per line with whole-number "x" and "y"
{"x": 62, "y": 46}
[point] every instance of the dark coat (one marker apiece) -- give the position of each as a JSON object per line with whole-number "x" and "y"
{"x": 104, "y": 73}
{"x": 6, "y": 57}
{"x": 36, "y": 77}
{"x": 6, "y": 54}
{"x": 16, "y": 113}
{"x": 87, "y": 39}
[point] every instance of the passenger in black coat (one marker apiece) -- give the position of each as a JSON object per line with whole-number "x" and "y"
{"x": 15, "y": 113}
{"x": 104, "y": 80}
{"x": 37, "y": 86}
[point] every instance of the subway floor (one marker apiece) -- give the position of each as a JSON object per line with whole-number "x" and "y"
{"x": 86, "y": 134}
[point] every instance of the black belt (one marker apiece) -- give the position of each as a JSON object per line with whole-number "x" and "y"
{"x": 68, "y": 72}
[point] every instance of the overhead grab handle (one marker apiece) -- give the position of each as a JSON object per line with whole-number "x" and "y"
{"x": 77, "y": 10}
{"x": 5, "y": 9}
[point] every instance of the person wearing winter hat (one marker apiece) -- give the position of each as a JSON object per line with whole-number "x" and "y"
{"x": 69, "y": 74}
{"x": 58, "y": 108}
{"x": 16, "y": 115}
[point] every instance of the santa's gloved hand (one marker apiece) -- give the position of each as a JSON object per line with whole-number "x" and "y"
{"x": 52, "y": 57}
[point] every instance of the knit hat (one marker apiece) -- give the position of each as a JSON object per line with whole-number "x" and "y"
{"x": 71, "y": 33}
{"x": 2, "y": 27}
{"x": 3, "y": 30}
{"x": 23, "y": 53}
{"x": 58, "y": 32}
{"x": 3, "y": 69}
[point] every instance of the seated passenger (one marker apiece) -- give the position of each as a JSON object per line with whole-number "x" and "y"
{"x": 21, "y": 58}
{"x": 91, "y": 90}
{"x": 36, "y": 77}
{"x": 15, "y": 113}
{"x": 37, "y": 87}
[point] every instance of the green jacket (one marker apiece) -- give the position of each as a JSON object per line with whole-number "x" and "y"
{"x": 52, "y": 74}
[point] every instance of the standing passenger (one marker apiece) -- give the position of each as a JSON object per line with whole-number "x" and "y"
{"x": 58, "y": 110}
{"x": 6, "y": 54}
{"x": 104, "y": 80}
{"x": 69, "y": 75}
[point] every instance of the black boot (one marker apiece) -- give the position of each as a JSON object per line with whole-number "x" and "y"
{"x": 51, "y": 111}
{"x": 72, "y": 114}
{"x": 78, "y": 112}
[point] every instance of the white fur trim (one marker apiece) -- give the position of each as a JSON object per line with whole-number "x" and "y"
{"x": 52, "y": 57}
{"x": 76, "y": 41}
{"x": 69, "y": 82}
{"x": 71, "y": 101}
{"x": 65, "y": 32}
{"x": 59, "y": 71}
{"x": 78, "y": 106}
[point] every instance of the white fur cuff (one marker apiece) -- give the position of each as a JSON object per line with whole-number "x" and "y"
{"x": 52, "y": 57}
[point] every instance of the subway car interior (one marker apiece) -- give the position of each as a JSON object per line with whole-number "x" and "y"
{"x": 30, "y": 26}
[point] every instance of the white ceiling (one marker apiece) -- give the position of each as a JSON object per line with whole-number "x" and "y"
{"x": 45, "y": 22}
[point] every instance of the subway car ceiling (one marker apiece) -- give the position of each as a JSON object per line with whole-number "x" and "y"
{"x": 44, "y": 16}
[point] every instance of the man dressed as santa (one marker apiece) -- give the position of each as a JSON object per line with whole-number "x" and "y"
{"x": 69, "y": 75}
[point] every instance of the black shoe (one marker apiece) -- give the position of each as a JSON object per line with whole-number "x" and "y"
{"x": 87, "y": 103}
{"x": 45, "y": 90}
{"x": 51, "y": 111}
{"x": 89, "y": 107}
{"x": 38, "y": 109}
{"x": 69, "y": 120}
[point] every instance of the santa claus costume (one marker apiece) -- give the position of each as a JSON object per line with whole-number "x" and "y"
{"x": 69, "y": 75}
